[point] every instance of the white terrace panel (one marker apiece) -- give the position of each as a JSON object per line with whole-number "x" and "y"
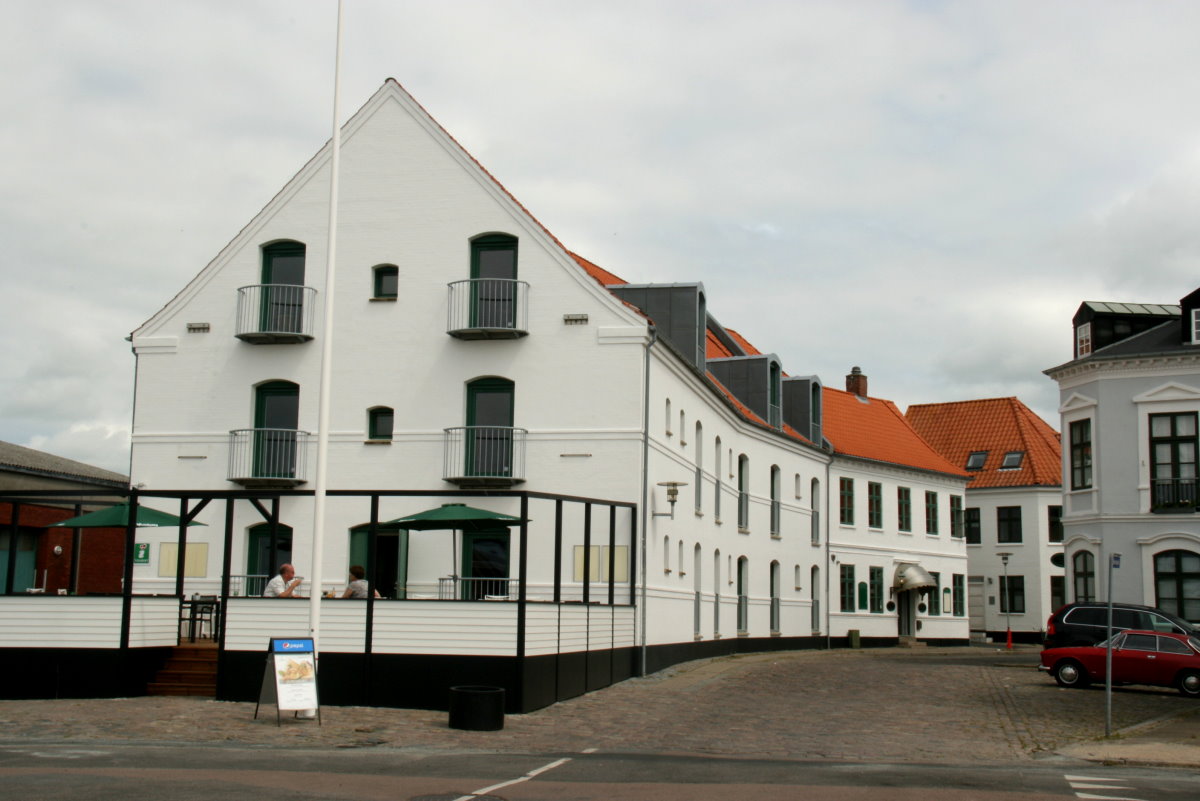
{"x": 153, "y": 622}
{"x": 250, "y": 623}
{"x": 541, "y": 629}
{"x": 446, "y": 627}
{"x": 623, "y": 627}
{"x": 573, "y": 628}
{"x": 54, "y": 622}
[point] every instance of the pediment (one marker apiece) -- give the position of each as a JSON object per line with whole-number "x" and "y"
{"x": 1075, "y": 403}
{"x": 1170, "y": 391}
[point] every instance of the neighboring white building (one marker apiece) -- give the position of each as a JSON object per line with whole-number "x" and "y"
{"x": 1013, "y": 515}
{"x": 672, "y": 476}
{"x": 1129, "y": 403}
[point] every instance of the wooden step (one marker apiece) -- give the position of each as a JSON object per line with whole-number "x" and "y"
{"x": 190, "y": 670}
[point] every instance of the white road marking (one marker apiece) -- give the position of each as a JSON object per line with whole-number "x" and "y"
{"x": 1079, "y": 783}
{"x": 525, "y": 778}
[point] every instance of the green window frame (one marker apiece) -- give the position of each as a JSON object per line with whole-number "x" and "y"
{"x": 874, "y": 504}
{"x": 935, "y": 594}
{"x": 956, "y": 516}
{"x": 387, "y": 281}
{"x": 1081, "y": 454}
{"x": 1174, "y": 481}
{"x": 959, "y": 594}
{"x": 876, "y": 579}
{"x": 1008, "y": 524}
{"x": 1012, "y": 595}
{"x": 904, "y": 508}
{"x": 1177, "y": 583}
{"x": 847, "y": 588}
{"x": 972, "y": 527}
{"x": 380, "y": 422}
{"x": 931, "y": 512}
{"x": 1054, "y": 523}
{"x": 846, "y": 501}
{"x": 1083, "y": 574}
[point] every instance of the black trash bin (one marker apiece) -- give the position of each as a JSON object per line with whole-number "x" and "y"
{"x": 477, "y": 708}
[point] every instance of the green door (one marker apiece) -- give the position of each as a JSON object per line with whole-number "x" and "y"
{"x": 391, "y": 557}
{"x": 489, "y": 437}
{"x": 485, "y": 564}
{"x": 493, "y": 287}
{"x": 276, "y": 419}
{"x": 283, "y": 287}
{"x": 23, "y": 571}
{"x": 258, "y": 555}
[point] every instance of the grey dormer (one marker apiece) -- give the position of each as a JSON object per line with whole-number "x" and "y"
{"x": 755, "y": 381}
{"x": 802, "y": 405}
{"x": 678, "y": 312}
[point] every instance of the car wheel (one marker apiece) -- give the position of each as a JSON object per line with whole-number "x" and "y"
{"x": 1189, "y": 684}
{"x": 1069, "y": 673}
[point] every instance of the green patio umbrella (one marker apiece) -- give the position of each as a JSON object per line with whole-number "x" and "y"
{"x": 118, "y": 517}
{"x": 453, "y": 516}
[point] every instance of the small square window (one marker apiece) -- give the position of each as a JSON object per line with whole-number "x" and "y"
{"x": 976, "y": 459}
{"x": 380, "y": 421}
{"x": 1012, "y": 460}
{"x": 387, "y": 281}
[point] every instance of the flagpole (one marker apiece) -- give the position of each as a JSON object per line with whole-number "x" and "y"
{"x": 318, "y": 543}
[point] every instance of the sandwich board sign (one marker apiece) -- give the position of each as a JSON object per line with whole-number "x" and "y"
{"x": 290, "y": 677}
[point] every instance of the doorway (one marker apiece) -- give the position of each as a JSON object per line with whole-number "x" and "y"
{"x": 485, "y": 565}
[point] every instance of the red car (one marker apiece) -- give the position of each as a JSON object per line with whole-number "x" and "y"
{"x": 1138, "y": 657}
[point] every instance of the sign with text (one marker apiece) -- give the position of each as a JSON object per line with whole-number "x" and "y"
{"x": 290, "y": 676}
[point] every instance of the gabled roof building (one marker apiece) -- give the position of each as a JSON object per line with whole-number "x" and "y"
{"x": 1013, "y": 514}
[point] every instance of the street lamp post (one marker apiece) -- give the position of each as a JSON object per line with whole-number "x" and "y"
{"x": 1006, "y": 601}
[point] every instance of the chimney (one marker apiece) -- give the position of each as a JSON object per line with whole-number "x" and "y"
{"x": 856, "y": 382}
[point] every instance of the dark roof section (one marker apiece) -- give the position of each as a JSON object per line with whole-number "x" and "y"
{"x": 1160, "y": 340}
{"x": 1141, "y": 309}
{"x": 18, "y": 459}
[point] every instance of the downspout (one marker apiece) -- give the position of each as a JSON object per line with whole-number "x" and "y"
{"x": 828, "y": 557}
{"x": 645, "y": 482}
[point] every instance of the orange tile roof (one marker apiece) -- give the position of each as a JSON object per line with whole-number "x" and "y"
{"x": 743, "y": 343}
{"x": 714, "y": 347}
{"x": 876, "y": 430}
{"x": 998, "y": 426}
{"x": 595, "y": 271}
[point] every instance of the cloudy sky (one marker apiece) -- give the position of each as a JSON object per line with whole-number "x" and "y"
{"x": 926, "y": 189}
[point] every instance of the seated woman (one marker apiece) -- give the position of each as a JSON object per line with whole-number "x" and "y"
{"x": 358, "y": 583}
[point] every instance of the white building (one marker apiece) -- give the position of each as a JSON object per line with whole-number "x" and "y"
{"x": 1129, "y": 404}
{"x": 670, "y": 475}
{"x": 1013, "y": 516}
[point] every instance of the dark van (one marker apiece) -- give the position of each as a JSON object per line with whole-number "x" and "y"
{"x": 1086, "y": 623}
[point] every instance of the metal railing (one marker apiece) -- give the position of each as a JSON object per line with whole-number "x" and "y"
{"x": 248, "y": 585}
{"x": 276, "y": 311}
{"x": 469, "y": 588}
{"x": 1174, "y": 494}
{"x": 484, "y": 452}
{"x": 279, "y": 454}
{"x": 488, "y": 304}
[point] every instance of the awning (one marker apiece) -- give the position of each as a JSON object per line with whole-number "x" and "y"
{"x": 911, "y": 576}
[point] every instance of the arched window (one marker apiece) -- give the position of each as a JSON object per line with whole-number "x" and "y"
{"x": 679, "y": 560}
{"x": 489, "y": 434}
{"x": 380, "y": 421}
{"x": 743, "y": 594}
{"x": 682, "y": 429}
{"x": 775, "y": 603}
{"x": 698, "y": 483}
{"x": 493, "y": 281}
{"x": 387, "y": 281}
{"x": 813, "y": 582}
{"x": 666, "y": 554}
{"x": 1177, "y": 583}
{"x": 776, "y": 504}
{"x": 265, "y": 554}
{"x": 282, "y": 305}
{"x": 815, "y": 503}
{"x": 743, "y": 491}
{"x": 667, "y": 418}
{"x": 276, "y": 420}
{"x": 717, "y": 481}
{"x": 1083, "y": 567}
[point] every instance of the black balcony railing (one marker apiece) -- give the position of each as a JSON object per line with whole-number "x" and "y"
{"x": 275, "y": 313}
{"x": 1174, "y": 494}
{"x": 484, "y": 455}
{"x": 488, "y": 308}
{"x": 268, "y": 456}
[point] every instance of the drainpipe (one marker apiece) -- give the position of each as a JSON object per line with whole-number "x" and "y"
{"x": 828, "y": 556}
{"x": 645, "y": 481}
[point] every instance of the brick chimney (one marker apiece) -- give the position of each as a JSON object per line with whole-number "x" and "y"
{"x": 856, "y": 382}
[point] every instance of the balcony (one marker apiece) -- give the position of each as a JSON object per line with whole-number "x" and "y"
{"x": 488, "y": 308}
{"x": 268, "y": 457}
{"x": 271, "y": 314}
{"x": 484, "y": 456}
{"x": 1174, "y": 495}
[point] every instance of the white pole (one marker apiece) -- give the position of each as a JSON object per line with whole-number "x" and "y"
{"x": 318, "y": 544}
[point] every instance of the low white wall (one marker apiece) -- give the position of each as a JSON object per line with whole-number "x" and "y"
{"x": 60, "y": 622}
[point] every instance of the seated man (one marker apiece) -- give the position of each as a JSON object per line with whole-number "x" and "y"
{"x": 283, "y": 585}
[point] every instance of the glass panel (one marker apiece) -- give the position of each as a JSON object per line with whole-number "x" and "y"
{"x": 1185, "y": 425}
{"x": 1160, "y": 426}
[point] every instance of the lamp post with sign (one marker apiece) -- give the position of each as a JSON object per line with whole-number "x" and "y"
{"x": 1114, "y": 563}
{"x": 1006, "y": 601}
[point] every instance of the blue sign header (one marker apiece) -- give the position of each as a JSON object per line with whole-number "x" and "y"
{"x": 296, "y": 646}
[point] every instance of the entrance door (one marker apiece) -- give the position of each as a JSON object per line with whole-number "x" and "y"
{"x": 391, "y": 559}
{"x": 283, "y": 287}
{"x": 23, "y": 553}
{"x": 276, "y": 420}
{"x": 493, "y": 288}
{"x": 906, "y": 611}
{"x": 489, "y": 432}
{"x": 485, "y": 564}
{"x": 259, "y": 559}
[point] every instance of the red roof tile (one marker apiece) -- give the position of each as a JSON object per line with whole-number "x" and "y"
{"x": 743, "y": 343}
{"x": 599, "y": 273}
{"x": 873, "y": 428}
{"x": 998, "y": 426}
{"x": 714, "y": 348}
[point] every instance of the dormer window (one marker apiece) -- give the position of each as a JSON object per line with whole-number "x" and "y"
{"x": 1012, "y": 460}
{"x": 1083, "y": 340}
{"x": 1196, "y": 326}
{"x": 976, "y": 459}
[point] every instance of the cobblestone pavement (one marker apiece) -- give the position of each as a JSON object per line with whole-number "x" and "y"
{"x": 934, "y": 705}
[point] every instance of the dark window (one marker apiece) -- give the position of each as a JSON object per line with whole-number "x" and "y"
{"x": 282, "y": 276}
{"x": 1173, "y": 476}
{"x": 931, "y": 513}
{"x": 1083, "y": 567}
{"x": 1081, "y": 454}
{"x": 1140, "y": 642}
{"x": 847, "y": 588}
{"x": 874, "y": 504}
{"x": 959, "y": 595}
{"x": 1177, "y": 583}
{"x": 846, "y": 501}
{"x": 493, "y": 274}
{"x": 976, "y": 460}
{"x": 387, "y": 281}
{"x": 1170, "y": 645}
{"x": 381, "y": 421}
{"x": 971, "y": 523}
{"x": 1012, "y": 460}
{"x": 876, "y": 604}
{"x": 1008, "y": 524}
{"x": 743, "y": 491}
{"x": 1054, "y": 520}
{"x": 904, "y": 508}
{"x": 1012, "y": 594}
{"x": 956, "y": 516}
{"x": 1058, "y": 591}
{"x": 935, "y": 594}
